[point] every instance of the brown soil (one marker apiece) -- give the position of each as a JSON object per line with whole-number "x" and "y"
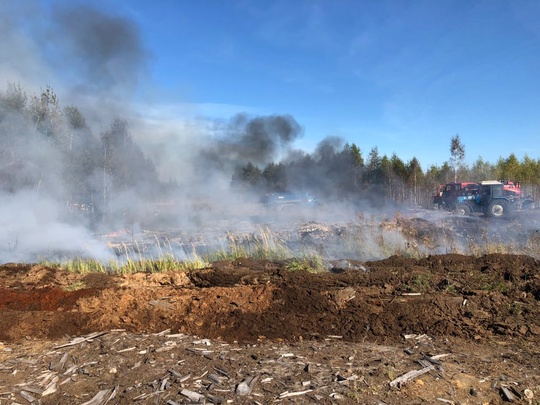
{"x": 337, "y": 337}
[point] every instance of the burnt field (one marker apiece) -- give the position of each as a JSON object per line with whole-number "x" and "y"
{"x": 246, "y": 330}
{"x": 328, "y": 233}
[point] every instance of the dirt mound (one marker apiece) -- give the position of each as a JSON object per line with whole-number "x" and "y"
{"x": 250, "y": 300}
{"x": 460, "y": 300}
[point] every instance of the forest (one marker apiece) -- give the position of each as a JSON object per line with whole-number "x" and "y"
{"x": 46, "y": 146}
{"x": 345, "y": 174}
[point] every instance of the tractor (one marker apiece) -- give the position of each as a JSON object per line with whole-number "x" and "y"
{"x": 494, "y": 199}
{"x": 446, "y": 197}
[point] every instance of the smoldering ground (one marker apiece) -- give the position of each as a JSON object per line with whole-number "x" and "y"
{"x": 73, "y": 53}
{"x": 83, "y": 156}
{"x": 101, "y": 165}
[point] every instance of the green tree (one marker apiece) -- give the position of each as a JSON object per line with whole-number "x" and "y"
{"x": 373, "y": 171}
{"x": 482, "y": 170}
{"x": 508, "y": 169}
{"x": 414, "y": 171}
{"x": 357, "y": 162}
{"x": 529, "y": 171}
{"x": 398, "y": 177}
{"x": 275, "y": 177}
{"x": 387, "y": 176}
{"x": 247, "y": 177}
{"x": 356, "y": 153}
{"x": 457, "y": 154}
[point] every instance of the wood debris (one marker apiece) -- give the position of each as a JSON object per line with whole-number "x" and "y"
{"x": 411, "y": 375}
{"x": 82, "y": 339}
{"x": 507, "y": 394}
{"x": 287, "y": 394}
{"x": 192, "y": 395}
{"x": 178, "y": 369}
{"x": 102, "y": 397}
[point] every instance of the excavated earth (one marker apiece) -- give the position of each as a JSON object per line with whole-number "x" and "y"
{"x": 254, "y": 332}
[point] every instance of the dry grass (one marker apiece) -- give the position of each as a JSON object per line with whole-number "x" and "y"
{"x": 369, "y": 238}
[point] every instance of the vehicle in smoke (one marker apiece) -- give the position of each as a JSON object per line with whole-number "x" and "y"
{"x": 447, "y": 194}
{"x": 494, "y": 199}
{"x": 287, "y": 200}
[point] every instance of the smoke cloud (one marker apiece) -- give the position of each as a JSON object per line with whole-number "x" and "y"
{"x": 259, "y": 140}
{"x": 54, "y": 178}
{"x": 103, "y": 53}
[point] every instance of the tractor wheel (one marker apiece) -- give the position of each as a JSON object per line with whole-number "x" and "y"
{"x": 463, "y": 209}
{"x": 497, "y": 209}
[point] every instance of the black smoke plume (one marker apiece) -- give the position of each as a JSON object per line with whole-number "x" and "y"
{"x": 104, "y": 52}
{"x": 259, "y": 140}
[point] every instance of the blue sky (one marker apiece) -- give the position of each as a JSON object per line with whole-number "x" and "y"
{"x": 402, "y": 76}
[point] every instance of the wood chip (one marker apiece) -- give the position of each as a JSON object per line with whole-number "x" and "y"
{"x": 27, "y": 396}
{"x": 398, "y": 382}
{"x": 184, "y": 378}
{"x": 165, "y": 348}
{"x": 287, "y": 394}
{"x": 33, "y": 390}
{"x": 65, "y": 381}
{"x": 126, "y": 350}
{"x": 47, "y": 377}
{"x": 246, "y": 386}
{"x": 177, "y": 335}
{"x": 71, "y": 370}
{"x": 102, "y": 397}
{"x": 51, "y": 387}
{"x": 222, "y": 372}
{"x": 243, "y": 388}
{"x": 98, "y": 398}
{"x": 440, "y": 356}
{"x": 215, "y": 400}
{"x": 82, "y": 339}
{"x": 507, "y": 394}
{"x": 163, "y": 385}
{"x": 192, "y": 395}
{"x": 216, "y": 379}
{"x": 62, "y": 362}
{"x": 423, "y": 362}
{"x": 202, "y": 342}
{"x": 432, "y": 360}
{"x": 174, "y": 372}
{"x": 163, "y": 333}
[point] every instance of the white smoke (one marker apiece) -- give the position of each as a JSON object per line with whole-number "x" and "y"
{"x": 33, "y": 229}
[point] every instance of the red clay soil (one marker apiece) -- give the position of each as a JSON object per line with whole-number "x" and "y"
{"x": 247, "y": 300}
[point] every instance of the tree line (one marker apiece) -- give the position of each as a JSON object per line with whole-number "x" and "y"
{"x": 345, "y": 174}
